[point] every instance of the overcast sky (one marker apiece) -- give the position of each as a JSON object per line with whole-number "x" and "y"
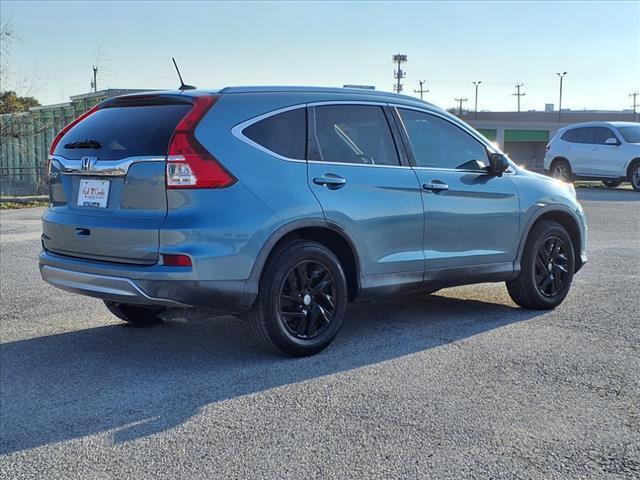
{"x": 330, "y": 44}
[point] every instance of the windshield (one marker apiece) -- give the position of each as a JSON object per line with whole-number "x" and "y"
{"x": 630, "y": 134}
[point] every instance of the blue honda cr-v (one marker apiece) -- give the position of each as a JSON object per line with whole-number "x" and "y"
{"x": 283, "y": 204}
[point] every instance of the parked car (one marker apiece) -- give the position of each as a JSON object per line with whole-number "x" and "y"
{"x": 607, "y": 151}
{"x": 283, "y": 204}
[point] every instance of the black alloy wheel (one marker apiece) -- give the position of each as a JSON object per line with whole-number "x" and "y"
{"x": 547, "y": 265}
{"x": 551, "y": 267}
{"x": 301, "y": 299}
{"x": 307, "y": 300}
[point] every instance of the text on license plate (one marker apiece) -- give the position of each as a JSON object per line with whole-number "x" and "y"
{"x": 93, "y": 193}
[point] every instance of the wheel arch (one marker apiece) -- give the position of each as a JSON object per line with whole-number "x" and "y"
{"x": 559, "y": 158}
{"x": 564, "y": 217}
{"x": 331, "y": 236}
{"x": 630, "y": 167}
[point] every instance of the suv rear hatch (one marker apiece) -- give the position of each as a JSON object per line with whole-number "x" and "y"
{"x": 107, "y": 176}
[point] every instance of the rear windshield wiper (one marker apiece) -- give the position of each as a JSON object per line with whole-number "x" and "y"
{"x": 84, "y": 144}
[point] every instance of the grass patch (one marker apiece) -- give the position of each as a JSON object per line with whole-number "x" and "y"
{"x": 14, "y": 205}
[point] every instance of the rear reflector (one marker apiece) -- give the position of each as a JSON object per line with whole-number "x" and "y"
{"x": 176, "y": 260}
{"x": 68, "y": 127}
{"x": 189, "y": 164}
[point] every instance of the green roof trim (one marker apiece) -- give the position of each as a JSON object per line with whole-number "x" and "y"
{"x": 526, "y": 135}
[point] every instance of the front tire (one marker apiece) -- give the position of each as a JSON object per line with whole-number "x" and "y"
{"x": 547, "y": 267}
{"x": 135, "y": 314}
{"x": 562, "y": 171}
{"x": 634, "y": 177}
{"x": 301, "y": 299}
{"x": 611, "y": 183}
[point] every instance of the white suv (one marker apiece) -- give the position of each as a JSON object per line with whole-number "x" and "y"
{"x": 607, "y": 151}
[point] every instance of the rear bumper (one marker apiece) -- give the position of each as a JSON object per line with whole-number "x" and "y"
{"x": 144, "y": 285}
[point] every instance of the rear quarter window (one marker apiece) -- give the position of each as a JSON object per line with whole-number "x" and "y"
{"x": 284, "y": 133}
{"x": 121, "y": 132}
{"x": 569, "y": 136}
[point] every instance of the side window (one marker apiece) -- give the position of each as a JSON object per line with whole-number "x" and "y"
{"x": 602, "y": 134}
{"x": 284, "y": 133}
{"x": 570, "y": 136}
{"x": 438, "y": 143}
{"x": 352, "y": 134}
{"x": 585, "y": 135}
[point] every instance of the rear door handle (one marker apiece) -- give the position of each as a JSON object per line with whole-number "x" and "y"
{"x": 435, "y": 187}
{"x": 330, "y": 180}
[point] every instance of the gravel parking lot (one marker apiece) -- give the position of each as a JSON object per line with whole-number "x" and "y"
{"x": 459, "y": 384}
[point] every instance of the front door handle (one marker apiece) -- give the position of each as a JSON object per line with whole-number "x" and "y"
{"x": 330, "y": 180}
{"x": 435, "y": 187}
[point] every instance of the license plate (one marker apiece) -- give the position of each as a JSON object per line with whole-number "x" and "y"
{"x": 93, "y": 193}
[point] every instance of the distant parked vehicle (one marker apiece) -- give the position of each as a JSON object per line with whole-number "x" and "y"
{"x": 283, "y": 204}
{"x": 606, "y": 151}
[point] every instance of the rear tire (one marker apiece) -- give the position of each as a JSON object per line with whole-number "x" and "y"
{"x": 301, "y": 299}
{"x": 547, "y": 267}
{"x": 561, "y": 170}
{"x": 612, "y": 183}
{"x": 634, "y": 176}
{"x": 135, "y": 314}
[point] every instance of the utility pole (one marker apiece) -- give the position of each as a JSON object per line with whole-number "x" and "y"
{"x": 95, "y": 80}
{"x": 421, "y": 90}
{"x": 561, "y": 75}
{"x": 475, "y": 111}
{"x": 460, "y": 100}
{"x": 635, "y": 105}
{"x": 399, "y": 74}
{"x": 518, "y": 94}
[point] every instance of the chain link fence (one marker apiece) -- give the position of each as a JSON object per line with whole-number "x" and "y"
{"x": 23, "y": 181}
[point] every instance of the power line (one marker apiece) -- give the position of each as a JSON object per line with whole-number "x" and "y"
{"x": 460, "y": 100}
{"x": 421, "y": 91}
{"x": 518, "y": 94}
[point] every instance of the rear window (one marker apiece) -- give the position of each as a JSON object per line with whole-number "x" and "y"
{"x": 284, "y": 133}
{"x": 120, "y": 132}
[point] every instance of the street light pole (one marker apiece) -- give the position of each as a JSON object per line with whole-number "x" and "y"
{"x": 561, "y": 75}
{"x": 475, "y": 113}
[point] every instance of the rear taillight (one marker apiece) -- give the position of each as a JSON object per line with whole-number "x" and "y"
{"x": 189, "y": 164}
{"x": 71, "y": 125}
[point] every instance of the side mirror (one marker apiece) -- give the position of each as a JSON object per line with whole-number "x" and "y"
{"x": 611, "y": 141}
{"x": 498, "y": 164}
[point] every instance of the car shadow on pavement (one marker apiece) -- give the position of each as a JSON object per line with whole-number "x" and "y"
{"x": 136, "y": 382}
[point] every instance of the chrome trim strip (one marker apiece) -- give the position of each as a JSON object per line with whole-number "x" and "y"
{"x": 102, "y": 286}
{"x": 111, "y": 168}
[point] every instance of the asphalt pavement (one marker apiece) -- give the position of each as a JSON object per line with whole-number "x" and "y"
{"x": 458, "y": 384}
